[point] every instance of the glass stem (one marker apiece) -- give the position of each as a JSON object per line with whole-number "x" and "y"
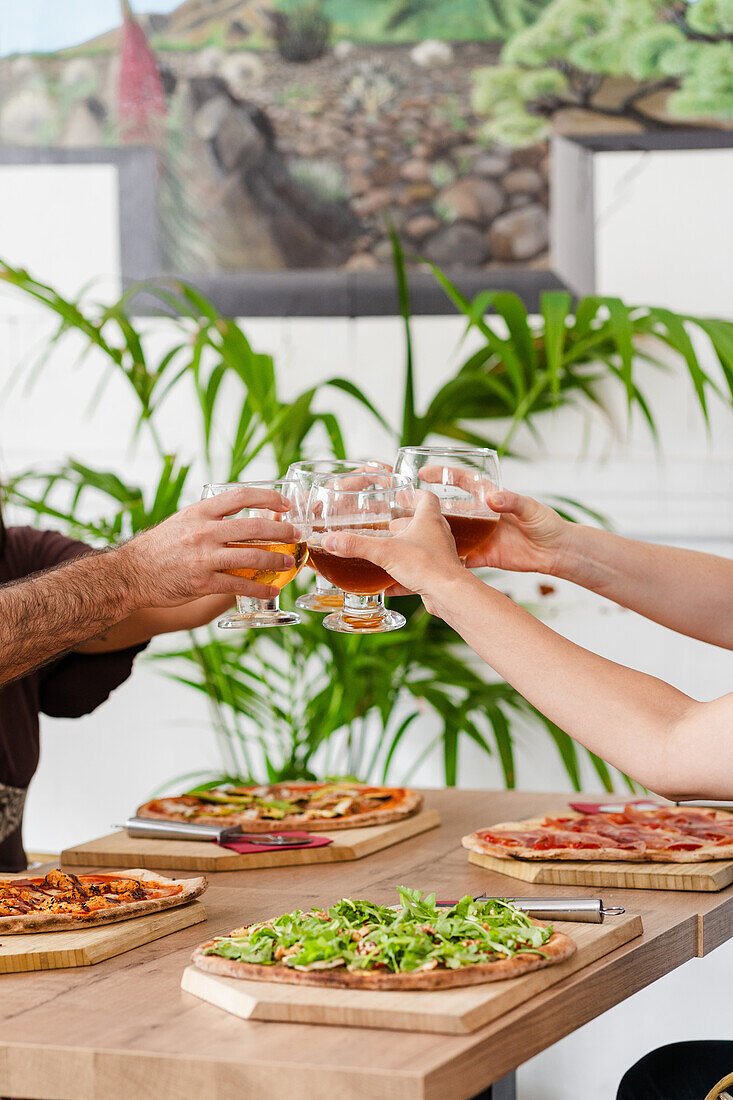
{"x": 324, "y": 587}
{"x": 248, "y": 605}
{"x": 363, "y": 609}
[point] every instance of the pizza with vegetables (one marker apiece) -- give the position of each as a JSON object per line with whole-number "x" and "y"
{"x": 287, "y": 806}
{"x": 666, "y": 834}
{"x": 62, "y": 901}
{"x": 414, "y": 945}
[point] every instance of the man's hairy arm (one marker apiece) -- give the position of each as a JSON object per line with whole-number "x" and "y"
{"x": 47, "y": 614}
{"x": 187, "y": 556}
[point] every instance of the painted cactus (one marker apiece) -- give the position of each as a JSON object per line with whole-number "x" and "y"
{"x": 140, "y": 96}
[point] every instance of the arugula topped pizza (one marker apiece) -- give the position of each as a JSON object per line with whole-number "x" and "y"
{"x": 414, "y": 945}
{"x": 666, "y": 834}
{"x": 289, "y": 806}
{"x": 61, "y": 901}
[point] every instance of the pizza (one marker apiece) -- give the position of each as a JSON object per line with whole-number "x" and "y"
{"x": 288, "y": 806}
{"x": 667, "y": 834}
{"x": 62, "y": 901}
{"x": 413, "y": 945}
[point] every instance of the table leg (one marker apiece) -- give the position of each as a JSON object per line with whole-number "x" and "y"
{"x": 504, "y": 1089}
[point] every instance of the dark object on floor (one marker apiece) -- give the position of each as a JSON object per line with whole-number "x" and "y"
{"x": 680, "y": 1071}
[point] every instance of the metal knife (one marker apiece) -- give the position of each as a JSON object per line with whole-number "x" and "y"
{"x": 217, "y": 834}
{"x": 587, "y": 910}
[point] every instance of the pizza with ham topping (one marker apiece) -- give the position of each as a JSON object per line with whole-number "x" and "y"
{"x": 667, "y": 834}
{"x": 288, "y": 806}
{"x": 61, "y": 901}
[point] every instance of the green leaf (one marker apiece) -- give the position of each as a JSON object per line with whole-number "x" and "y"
{"x": 621, "y": 332}
{"x": 409, "y": 419}
{"x": 678, "y": 339}
{"x": 354, "y": 391}
{"x": 555, "y": 306}
{"x": 503, "y": 738}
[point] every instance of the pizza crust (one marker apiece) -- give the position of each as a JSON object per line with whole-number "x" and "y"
{"x": 63, "y": 922}
{"x": 476, "y": 843}
{"x": 558, "y": 948}
{"x": 408, "y": 805}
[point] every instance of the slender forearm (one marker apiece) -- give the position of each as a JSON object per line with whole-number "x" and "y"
{"x": 150, "y": 621}
{"x": 625, "y": 716}
{"x": 686, "y": 591}
{"x": 52, "y": 612}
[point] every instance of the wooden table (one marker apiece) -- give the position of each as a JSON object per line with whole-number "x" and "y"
{"x": 125, "y": 1026}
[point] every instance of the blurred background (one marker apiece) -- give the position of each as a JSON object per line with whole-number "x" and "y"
{"x": 286, "y": 162}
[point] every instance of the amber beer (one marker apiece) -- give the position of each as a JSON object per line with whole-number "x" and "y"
{"x": 471, "y": 532}
{"x": 276, "y": 578}
{"x": 356, "y": 575}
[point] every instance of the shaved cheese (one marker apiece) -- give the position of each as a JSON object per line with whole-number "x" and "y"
{"x": 322, "y": 964}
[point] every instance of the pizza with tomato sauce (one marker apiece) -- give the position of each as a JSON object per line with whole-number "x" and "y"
{"x": 667, "y": 834}
{"x": 61, "y": 901}
{"x": 287, "y": 806}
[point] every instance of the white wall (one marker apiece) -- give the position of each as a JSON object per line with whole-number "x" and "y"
{"x": 663, "y": 227}
{"x": 152, "y": 729}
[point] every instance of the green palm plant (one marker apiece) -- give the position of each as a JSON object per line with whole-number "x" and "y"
{"x": 557, "y": 358}
{"x": 301, "y": 702}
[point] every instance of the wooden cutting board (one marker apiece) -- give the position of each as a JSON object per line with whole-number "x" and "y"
{"x": 448, "y": 1011}
{"x": 86, "y": 946}
{"x": 120, "y": 850}
{"x": 713, "y": 875}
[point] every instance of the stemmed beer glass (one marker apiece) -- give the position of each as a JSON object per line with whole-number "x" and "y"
{"x": 325, "y": 596}
{"x": 461, "y": 478}
{"x": 363, "y": 504}
{"x": 258, "y": 613}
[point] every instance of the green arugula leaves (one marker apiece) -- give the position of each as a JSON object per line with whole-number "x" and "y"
{"x": 416, "y": 934}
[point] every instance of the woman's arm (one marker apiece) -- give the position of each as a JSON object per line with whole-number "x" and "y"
{"x": 666, "y": 740}
{"x": 671, "y": 743}
{"x": 686, "y": 591}
{"x": 150, "y": 621}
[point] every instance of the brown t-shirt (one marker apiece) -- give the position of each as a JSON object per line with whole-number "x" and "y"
{"x": 73, "y": 685}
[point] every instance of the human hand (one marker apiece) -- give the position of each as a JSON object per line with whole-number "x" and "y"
{"x": 530, "y": 537}
{"x": 420, "y": 554}
{"x": 189, "y": 554}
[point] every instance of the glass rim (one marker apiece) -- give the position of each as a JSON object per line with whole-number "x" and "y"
{"x": 305, "y": 463}
{"x": 403, "y": 482}
{"x": 227, "y": 486}
{"x": 449, "y": 450}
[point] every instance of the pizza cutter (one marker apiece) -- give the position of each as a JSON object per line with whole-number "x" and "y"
{"x": 587, "y": 910}
{"x": 218, "y": 834}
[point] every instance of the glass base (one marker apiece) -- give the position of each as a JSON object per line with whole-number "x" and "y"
{"x": 377, "y": 622}
{"x": 255, "y": 614}
{"x": 258, "y": 619}
{"x": 331, "y": 600}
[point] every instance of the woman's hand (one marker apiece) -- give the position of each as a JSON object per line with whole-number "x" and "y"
{"x": 530, "y": 538}
{"x": 420, "y": 556}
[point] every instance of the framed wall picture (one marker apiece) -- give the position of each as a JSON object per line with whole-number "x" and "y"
{"x": 286, "y": 137}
